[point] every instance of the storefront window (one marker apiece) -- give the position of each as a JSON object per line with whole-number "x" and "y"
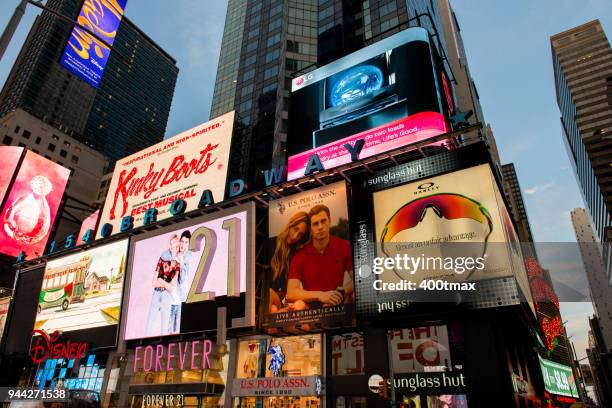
{"x": 347, "y": 354}
{"x": 278, "y": 372}
{"x": 420, "y": 349}
{"x": 84, "y": 374}
{"x": 427, "y": 364}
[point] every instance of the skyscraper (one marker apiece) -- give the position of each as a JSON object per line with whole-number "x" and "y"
{"x": 600, "y": 350}
{"x": 582, "y": 63}
{"x": 129, "y": 110}
{"x": 517, "y": 205}
{"x": 265, "y": 43}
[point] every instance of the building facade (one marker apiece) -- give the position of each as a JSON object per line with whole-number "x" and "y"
{"x": 265, "y": 44}
{"x": 582, "y": 63}
{"x": 601, "y": 291}
{"x": 19, "y": 128}
{"x": 129, "y": 110}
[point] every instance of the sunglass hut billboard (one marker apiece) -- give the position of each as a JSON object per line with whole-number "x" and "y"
{"x": 432, "y": 238}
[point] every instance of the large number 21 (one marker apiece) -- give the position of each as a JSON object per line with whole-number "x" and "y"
{"x": 233, "y": 226}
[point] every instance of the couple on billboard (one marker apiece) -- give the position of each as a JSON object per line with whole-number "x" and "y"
{"x": 311, "y": 268}
{"x": 170, "y": 286}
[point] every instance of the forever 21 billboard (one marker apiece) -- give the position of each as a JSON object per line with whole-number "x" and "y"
{"x": 176, "y": 272}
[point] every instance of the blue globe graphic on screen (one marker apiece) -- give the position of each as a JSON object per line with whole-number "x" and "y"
{"x": 355, "y": 83}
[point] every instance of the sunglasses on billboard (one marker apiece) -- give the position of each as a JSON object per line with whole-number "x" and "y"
{"x": 450, "y": 206}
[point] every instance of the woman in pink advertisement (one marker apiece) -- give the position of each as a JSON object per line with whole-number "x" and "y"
{"x": 164, "y": 310}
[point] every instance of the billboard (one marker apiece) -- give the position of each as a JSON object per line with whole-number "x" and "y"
{"x": 83, "y": 290}
{"x": 189, "y": 262}
{"x": 9, "y": 160}
{"x": 388, "y": 94}
{"x": 310, "y": 278}
{"x": 558, "y": 378}
{"x": 181, "y": 167}
{"x": 88, "y": 223}
{"x": 85, "y": 55}
{"x": 455, "y": 215}
{"x": 31, "y": 205}
{"x": 444, "y": 238}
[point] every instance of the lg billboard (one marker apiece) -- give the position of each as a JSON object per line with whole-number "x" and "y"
{"x": 180, "y": 167}
{"x": 388, "y": 94}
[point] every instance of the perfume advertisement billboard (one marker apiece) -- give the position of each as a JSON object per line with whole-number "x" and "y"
{"x": 387, "y": 94}
{"x": 83, "y": 290}
{"x": 195, "y": 261}
{"x": 31, "y": 205}
{"x": 85, "y": 55}
{"x": 180, "y": 167}
{"x": 310, "y": 278}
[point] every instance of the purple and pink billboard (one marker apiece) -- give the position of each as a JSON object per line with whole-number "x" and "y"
{"x": 389, "y": 95}
{"x": 33, "y": 197}
{"x": 193, "y": 261}
{"x": 85, "y": 55}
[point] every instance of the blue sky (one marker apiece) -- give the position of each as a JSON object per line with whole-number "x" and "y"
{"x": 508, "y": 49}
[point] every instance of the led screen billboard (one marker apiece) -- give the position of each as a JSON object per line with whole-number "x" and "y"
{"x": 190, "y": 262}
{"x": 444, "y": 238}
{"x": 83, "y": 290}
{"x": 85, "y": 55}
{"x": 435, "y": 217}
{"x": 180, "y": 167}
{"x": 310, "y": 277}
{"x": 31, "y": 205}
{"x": 387, "y": 94}
{"x": 88, "y": 223}
{"x": 9, "y": 160}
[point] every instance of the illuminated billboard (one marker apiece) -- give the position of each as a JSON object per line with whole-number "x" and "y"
{"x": 190, "y": 262}
{"x": 436, "y": 217}
{"x": 387, "y": 94}
{"x": 88, "y": 223}
{"x": 311, "y": 268}
{"x": 180, "y": 167}
{"x": 83, "y": 290}
{"x": 85, "y": 55}
{"x": 32, "y": 202}
{"x": 558, "y": 378}
{"x": 9, "y": 160}
{"x": 445, "y": 238}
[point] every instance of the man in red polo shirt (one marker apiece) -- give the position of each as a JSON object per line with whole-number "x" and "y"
{"x": 322, "y": 271}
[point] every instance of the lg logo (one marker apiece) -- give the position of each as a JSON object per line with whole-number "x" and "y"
{"x": 303, "y": 79}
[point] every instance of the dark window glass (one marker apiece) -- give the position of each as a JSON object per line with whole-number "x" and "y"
{"x": 26, "y": 134}
{"x": 37, "y": 141}
{"x": 51, "y": 147}
{"x": 74, "y": 159}
{"x": 63, "y": 153}
{"x": 7, "y": 140}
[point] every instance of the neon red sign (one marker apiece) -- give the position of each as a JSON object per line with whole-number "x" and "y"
{"x": 46, "y": 346}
